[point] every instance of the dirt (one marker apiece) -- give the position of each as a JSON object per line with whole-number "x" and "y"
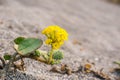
{"x": 93, "y": 27}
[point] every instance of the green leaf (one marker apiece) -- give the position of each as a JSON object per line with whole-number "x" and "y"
{"x": 37, "y": 53}
{"x": 116, "y": 62}
{"x": 57, "y": 55}
{"x": 45, "y": 56}
{"x": 55, "y": 62}
{"x": 19, "y": 40}
{"x": 7, "y": 57}
{"x": 29, "y": 45}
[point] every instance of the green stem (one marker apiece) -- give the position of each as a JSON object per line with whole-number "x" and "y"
{"x": 31, "y": 57}
{"x": 51, "y": 56}
{"x": 10, "y": 63}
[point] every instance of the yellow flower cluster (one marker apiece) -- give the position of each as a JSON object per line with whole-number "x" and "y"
{"x": 55, "y": 36}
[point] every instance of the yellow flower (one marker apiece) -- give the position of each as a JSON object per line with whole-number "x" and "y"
{"x": 55, "y": 46}
{"x": 48, "y": 41}
{"x": 56, "y": 36}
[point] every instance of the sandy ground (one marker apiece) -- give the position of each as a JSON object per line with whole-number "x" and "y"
{"x": 94, "y": 24}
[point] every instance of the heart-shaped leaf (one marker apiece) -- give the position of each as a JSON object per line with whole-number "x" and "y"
{"x": 19, "y": 40}
{"x": 28, "y": 45}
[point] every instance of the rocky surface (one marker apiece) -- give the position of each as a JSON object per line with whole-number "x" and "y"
{"x": 93, "y": 24}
